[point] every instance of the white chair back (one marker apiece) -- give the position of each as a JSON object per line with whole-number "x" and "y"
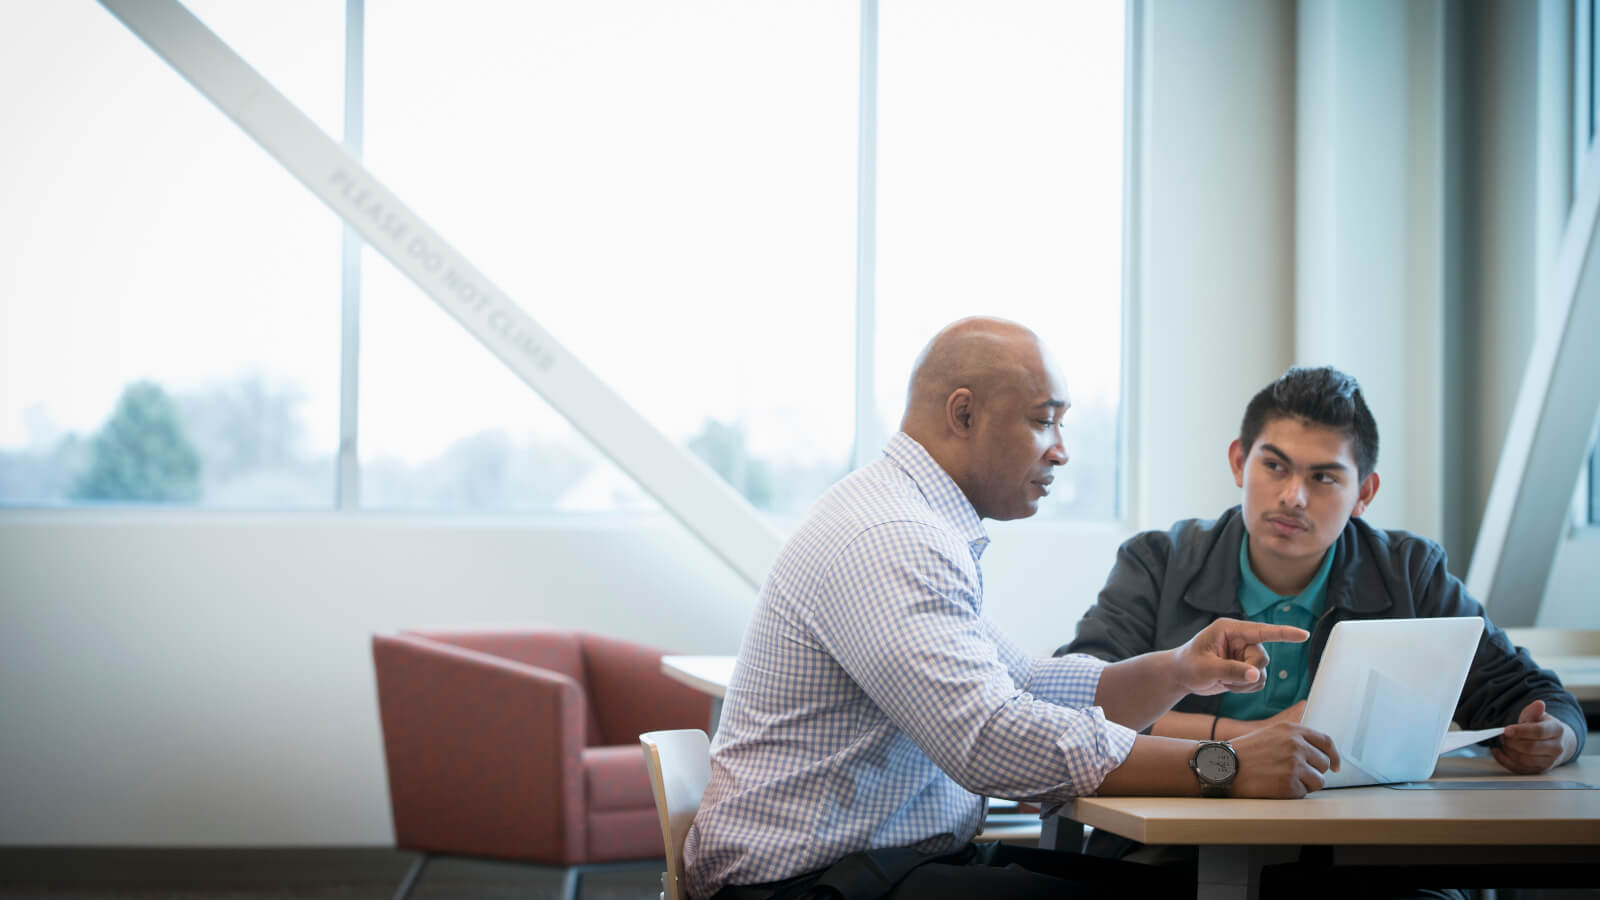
{"x": 680, "y": 766}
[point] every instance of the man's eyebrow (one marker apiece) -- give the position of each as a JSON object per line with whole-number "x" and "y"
{"x": 1334, "y": 466}
{"x": 1052, "y": 402}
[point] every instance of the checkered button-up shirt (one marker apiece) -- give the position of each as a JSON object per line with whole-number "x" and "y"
{"x": 872, "y": 705}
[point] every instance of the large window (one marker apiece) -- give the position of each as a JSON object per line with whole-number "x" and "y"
{"x": 1000, "y": 193}
{"x": 669, "y": 188}
{"x": 673, "y": 190}
{"x": 169, "y": 295}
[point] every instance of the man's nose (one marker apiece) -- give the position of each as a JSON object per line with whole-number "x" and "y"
{"x": 1057, "y": 454}
{"x": 1294, "y": 494}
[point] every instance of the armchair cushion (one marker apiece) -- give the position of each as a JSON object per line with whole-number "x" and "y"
{"x": 615, "y": 778}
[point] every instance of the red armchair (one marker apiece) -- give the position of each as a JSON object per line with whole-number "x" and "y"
{"x": 523, "y": 744}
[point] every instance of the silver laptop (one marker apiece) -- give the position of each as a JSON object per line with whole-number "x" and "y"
{"x": 1385, "y": 692}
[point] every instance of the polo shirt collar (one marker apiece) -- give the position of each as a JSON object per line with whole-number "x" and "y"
{"x": 1256, "y": 598}
{"x": 939, "y": 489}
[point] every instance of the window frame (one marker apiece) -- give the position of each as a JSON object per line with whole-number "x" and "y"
{"x": 1585, "y": 118}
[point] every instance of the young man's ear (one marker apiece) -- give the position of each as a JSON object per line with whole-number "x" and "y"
{"x": 1369, "y": 489}
{"x": 958, "y": 410}
{"x": 1236, "y": 461}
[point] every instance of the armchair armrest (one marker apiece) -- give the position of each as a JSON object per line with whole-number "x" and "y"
{"x": 482, "y": 752}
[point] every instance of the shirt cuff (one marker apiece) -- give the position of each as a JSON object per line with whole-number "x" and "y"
{"x": 1092, "y": 750}
{"x": 1110, "y": 746}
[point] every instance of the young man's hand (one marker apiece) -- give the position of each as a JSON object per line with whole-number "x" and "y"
{"x": 1537, "y": 742}
{"x": 1228, "y": 656}
{"x": 1282, "y": 760}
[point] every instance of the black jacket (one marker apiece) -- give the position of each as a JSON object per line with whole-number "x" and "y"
{"x": 1168, "y": 585}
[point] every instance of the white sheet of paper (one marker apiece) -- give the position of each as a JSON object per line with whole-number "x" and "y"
{"x": 1455, "y": 740}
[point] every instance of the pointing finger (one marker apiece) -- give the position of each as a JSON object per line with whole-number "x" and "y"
{"x": 1262, "y": 633}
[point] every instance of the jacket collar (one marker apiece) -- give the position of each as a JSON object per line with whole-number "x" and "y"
{"x": 1212, "y": 558}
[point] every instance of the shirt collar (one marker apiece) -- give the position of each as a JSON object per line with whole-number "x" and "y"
{"x": 1255, "y": 598}
{"x": 939, "y": 489}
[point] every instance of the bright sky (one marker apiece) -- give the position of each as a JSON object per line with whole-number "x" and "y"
{"x": 669, "y": 188}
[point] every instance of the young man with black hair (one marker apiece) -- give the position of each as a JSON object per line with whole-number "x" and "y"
{"x": 1297, "y": 552}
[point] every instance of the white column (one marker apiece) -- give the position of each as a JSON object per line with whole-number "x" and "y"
{"x": 1214, "y": 275}
{"x": 1368, "y": 187}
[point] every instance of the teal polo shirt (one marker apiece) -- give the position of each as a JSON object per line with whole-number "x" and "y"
{"x": 1288, "y": 675}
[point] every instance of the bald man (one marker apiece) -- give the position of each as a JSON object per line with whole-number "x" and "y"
{"x": 873, "y": 708}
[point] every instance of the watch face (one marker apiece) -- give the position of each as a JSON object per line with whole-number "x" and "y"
{"x": 1215, "y": 764}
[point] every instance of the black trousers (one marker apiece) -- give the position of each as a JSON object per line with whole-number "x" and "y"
{"x": 984, "y": 871}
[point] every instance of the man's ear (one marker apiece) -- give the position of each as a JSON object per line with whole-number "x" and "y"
{"x": 1236, "y": 461}
{"x": 958, "y": 412}
{"x": 1369, "y": 489}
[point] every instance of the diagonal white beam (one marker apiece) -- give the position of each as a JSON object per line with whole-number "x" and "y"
{"x": 1529, "y": 502}
{"x": 684, "y": 485}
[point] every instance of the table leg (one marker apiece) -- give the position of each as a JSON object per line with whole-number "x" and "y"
{"x": 1061, "y": 833}
{"x": 1233, "y": 872}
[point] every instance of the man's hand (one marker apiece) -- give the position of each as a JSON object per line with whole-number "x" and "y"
{"x": 1283, "y": 760}
{"x": 1228, "y": 656}
{"x": 1537, "y": 742}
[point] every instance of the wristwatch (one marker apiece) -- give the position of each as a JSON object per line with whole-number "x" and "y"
{"x": 1215, "y": 765}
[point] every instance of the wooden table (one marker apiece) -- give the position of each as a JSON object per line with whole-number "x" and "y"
{"x": 1370, "y": 826}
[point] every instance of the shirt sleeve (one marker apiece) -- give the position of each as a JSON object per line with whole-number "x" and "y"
{"x": 899, "y": 610}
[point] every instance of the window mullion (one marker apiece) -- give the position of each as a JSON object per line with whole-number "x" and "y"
{"x": 349, "y": 471}
{"x": 867, "y": 439}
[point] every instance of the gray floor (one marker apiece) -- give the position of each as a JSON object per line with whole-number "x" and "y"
{"x": 293, "y": 874}
{"x": 337, "y": 874}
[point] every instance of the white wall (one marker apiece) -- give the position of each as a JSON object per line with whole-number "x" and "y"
{"x": 201, "y": 678}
